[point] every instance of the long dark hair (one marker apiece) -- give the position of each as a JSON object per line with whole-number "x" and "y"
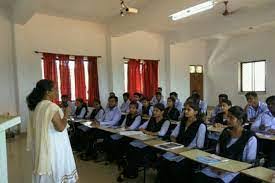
{"x": 238, "y": 113}
{"x": 195, "y": 106}
{"x": 39, "y": 92}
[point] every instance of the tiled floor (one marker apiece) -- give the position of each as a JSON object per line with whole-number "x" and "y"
{"x": 19, "y": 162}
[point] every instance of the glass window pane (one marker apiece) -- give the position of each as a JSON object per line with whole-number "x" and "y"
{"x": 198, "y": 69}
{"x": 86, "y": 78}
{"x": 192, "y": 69}
{"x": 247, "y": 77}
{"x": 71, "y": 66}
{"x": 58, "y": 80}
{"x": 125, "y": 77}
{"x": 259, "y": 76}
{"x": 42, "y": 67}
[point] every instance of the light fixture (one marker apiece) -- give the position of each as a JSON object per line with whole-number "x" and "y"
{"x": 124, "y": 9}
{"x": 195, "y": 69}
{"x": 193, "y": 10}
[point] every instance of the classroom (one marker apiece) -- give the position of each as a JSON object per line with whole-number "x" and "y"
{"x": 135, "y": 91}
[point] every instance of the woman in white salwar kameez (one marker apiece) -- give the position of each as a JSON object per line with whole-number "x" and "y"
{"x": 48, "y": 140}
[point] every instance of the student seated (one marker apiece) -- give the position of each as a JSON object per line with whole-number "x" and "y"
{"x": 159, "y": 99}
{"x": 222, "y": 117}
{"x": 116, "y": 145}
{"x": 234, "y": 143}
{"x": 137, "y": 98}
{"x": 98, "y": 112}
{"x": 147, "y": 108}
{"x": 178, "y": 103}
{"x": 265, "y": 123}
{"x": 124, "y": 108}
{"x": 191, "y": 132}
{"x": 110, "y": 119}
{"x": 171, "y": 112}
{"x": 112, "y": 94}
{"x": 202, "y": 104}
{"x": 137, "y": 151}
{"x": 81, "y": 109}
{"x": 66, "y": 102}
{"x": 154, "y": 99}
{"x": 218, "y": 108}
{"x": 254, "y": 107}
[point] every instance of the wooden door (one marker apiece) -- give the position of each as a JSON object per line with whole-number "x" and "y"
{"x": 196, "y": 83}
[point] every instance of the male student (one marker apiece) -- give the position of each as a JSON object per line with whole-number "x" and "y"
{"x": 159, "y": 99}
{"x": 178, "y": 103}
{"x": 137, "y": 98}
{"x": 254, "y": 107}
{"x": 66, "y": 102}
{"x": 266, "y": 123}
{"x": 202, "y": 104}
{"x": 124, "y": 108}
{"x": 111, "y": 118}
{"x": 154, "y": 99}
{"x": 218, "y": 108}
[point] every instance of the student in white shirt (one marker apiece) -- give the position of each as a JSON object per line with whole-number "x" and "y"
{"x": 137, "y": 98}
{"x": 124, "y": 108}
{"x": 235, "y": 143}
{"x": 81, "y": 109}
{"x": 178, "y": 103}
{"x": 66, "y": 102}
{"x": 154, "y": 99}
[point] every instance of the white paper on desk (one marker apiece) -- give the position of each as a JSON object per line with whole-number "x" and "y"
{"x": 169, "y": 146}
{"x": 80, "y": 120}
{"x": 88, "y": 124}
{"x": 129, "y": 133}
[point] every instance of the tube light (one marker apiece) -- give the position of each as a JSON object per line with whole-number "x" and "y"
{"x": 193, "y": 10}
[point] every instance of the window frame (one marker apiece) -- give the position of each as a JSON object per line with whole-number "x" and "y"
{"x": 241, "y": 75}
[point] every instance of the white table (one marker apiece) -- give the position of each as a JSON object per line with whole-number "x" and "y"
{"x": 5, "y": 123}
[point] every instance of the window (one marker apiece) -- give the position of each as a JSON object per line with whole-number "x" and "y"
{"x": 71, "y": 67}
{"x": 253, "y": 76}
{"x": 126, "y": 75}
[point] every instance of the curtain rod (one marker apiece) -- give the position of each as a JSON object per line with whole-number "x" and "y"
{"x": 125, "y": 58}
{"x": 68, "y": 54}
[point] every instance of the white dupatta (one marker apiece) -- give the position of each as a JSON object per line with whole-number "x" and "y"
{"x": 38, "y": 136}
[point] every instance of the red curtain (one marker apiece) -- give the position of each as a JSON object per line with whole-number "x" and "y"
{"x": 80, "y": 87}
{"x": 50, "y": 69}
{"x": 65, "y": 79}
{"x": 150, "y": 79}
{"x": 134, "y": 77}
{"x": 93, "y": 90}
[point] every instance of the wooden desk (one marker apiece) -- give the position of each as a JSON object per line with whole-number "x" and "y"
{"x": 259, "y": 173}
{"x": 211, "y": 128}
{"x": 265, "y": 136}
{"x": 5, "y": 123}
{"x": 111, "y": 130}
{"x": 229, "y": 166}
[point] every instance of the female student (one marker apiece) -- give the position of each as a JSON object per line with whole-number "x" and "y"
{"x": 147, "y": 109}
{"x": 221, "y": 118}
{"x": 116, "y": 145}
{"x": 191, "y": 132}
{"x": 171, "y": 112}
{"x": 98, "y": 112}
{"x": 81, "y": 109}
{"x": 235, "y": 143}
{"x": 156, "y": 126}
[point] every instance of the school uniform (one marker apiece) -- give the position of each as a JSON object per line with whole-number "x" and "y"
{"x": 171, "y": 114}
{"x": 154, "y": 100}
{"x": 174, "y": 167}
{"x": 268, "y": 147}
{"x": 220, "y": 119}
{"x": 243, "y": 149}
{"x": 111, "y": 117}
{"x": 81, "y": 112}
{"x": 216, "y": 111}
{"x": 179, "y": 105}
{"x": 138, "y": 151}
{"x": 116, "y": 145}
{"x": 203, "y": 106}
{"x": 253, "y": 113}
{"x": 124, "y": 108}
{"x": 147, "y": 110}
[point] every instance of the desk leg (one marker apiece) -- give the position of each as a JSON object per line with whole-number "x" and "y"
{"x": 3, "y": 158}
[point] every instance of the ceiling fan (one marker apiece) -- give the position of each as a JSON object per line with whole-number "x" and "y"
{"x": 226, "y": 11}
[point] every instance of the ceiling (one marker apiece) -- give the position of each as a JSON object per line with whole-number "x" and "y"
{"x": 153, "y": 14}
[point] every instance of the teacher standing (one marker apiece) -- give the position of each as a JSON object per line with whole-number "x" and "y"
{"x": 53, "y": 160}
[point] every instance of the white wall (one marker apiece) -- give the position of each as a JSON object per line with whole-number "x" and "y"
{"x": 56, "y": 35}
{"x": 181, "y": 56}
{"x": 143, "y": 45}
{"x": 224, "y": 56}
{"x": 7, "y": 74}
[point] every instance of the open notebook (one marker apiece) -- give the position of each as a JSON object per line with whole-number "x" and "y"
{"x": 169, "y": 146}
{"x": 211, "y": 159}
